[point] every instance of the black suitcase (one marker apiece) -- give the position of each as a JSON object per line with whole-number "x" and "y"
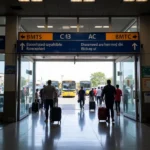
{"x": 55, "y": 114}
{"x": 35, "y": 107}
{"x": 92, "y": 105}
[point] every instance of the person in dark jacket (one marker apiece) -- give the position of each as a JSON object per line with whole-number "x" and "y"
{"x": 81, "y": 97}
{"x": 109, "y": 91}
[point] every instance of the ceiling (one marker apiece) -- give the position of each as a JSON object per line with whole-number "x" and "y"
{"x": 76, "y": 57}
{"x": 66, "y": 8}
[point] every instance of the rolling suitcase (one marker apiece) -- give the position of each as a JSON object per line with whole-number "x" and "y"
{"x": 92, "y": 105}
{"x": 102, "y": 113}
{"x": 55, "y": 114}
{"x": 35, "y": 107}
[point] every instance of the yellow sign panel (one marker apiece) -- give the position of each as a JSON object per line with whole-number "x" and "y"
{"x": 122, "y": 36}
{"x": 30, "y": 36}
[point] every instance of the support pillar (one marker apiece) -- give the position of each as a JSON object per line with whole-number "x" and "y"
{"x": 10, "y": 88}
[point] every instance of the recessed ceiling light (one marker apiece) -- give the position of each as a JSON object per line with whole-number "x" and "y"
{"x": 36, "y": 0}
{"x": 98, "y": 26}
{"x": 23, "y": 0}
{"x": 66, "y": 27}
{"x": 73, "y": 27}
{"x": 88, "y": 0}
{"x": 134, "y": 27}
{"x": 49, "y": 26}
{"x": 40, "y": 26}
{"x": 76, "y": 0}
{"x": 105, "y": 26}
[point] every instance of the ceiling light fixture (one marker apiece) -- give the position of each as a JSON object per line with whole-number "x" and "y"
{"x": 105, "y": 26}
{"x": 74, "y": 27}
{"x": 40, "y": 26}
{"x": 97, "y": 27}
{"x": 65, "y": 27}
{"x": 134, "y": 27}
{"x": 49, "y": 26}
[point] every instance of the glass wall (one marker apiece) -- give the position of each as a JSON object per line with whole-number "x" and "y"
{"x": 2, "y": 65}
{"x": 128, "y": 87}
{"x": 123, "y": 24}
{"x": 94, "y": 24}
{"x": 62, "y": 24}
{"x": 26, "y": 86}
{"x": 86, "y": 24}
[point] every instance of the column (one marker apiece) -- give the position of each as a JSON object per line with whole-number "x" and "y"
{"x": 10, "y": 89}
{"x": 145, "y": 62}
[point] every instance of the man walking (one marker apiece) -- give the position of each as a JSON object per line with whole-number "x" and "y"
{"x": 109, "y": 91}
{"x": 81, "y": 97}
{"x": 49, "y": 94}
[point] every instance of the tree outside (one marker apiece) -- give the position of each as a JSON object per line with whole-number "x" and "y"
{"x": 97, "y": 78}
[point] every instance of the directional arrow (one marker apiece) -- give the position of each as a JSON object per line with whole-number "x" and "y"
{"x": 134, "y": 45}
{"x": 22, "y": 36}
{"x": 135, "y": 36}
{"x": 22, "y": 45}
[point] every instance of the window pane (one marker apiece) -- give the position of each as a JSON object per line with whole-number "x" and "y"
{"x": 2, "y": 20}
{"x": 2, "y": 64}
{"x": 133, "y": 28}
{"x": 2, "y": 30}
{"x": 121, "y": 24}
{"x": 62, "y": 24}
{"x": 33, "y": 24}
{"x": 94, "y": 24}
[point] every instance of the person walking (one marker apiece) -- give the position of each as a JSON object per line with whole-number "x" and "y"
{"x": 118, "y": 99}
{"x": 81, "y": 97}
{"x": 109, "y": 91}
{"x": 49, "y": 94}
{"x": 99, "y": 99}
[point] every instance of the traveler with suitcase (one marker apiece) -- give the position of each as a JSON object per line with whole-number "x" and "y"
{"x": 91, "y": 100}
{"x": 81, "y": 98}
{"x": 109, "y": 91}
{"x": 49, "y": 94}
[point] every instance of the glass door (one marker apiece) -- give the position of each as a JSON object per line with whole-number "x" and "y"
{"x": 129, "y": 77}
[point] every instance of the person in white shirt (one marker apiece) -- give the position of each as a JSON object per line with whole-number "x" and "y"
{"x": 49, "y": 95}
{"x": 99, "y": 92}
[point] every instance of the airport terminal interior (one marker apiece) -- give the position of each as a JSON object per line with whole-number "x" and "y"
{"x": 74, "y": 43}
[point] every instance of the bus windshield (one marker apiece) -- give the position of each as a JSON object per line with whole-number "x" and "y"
{"x": 68, "y": 85}
{"x": 86, "y": 84}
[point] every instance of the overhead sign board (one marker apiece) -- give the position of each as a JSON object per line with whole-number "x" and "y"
{"x": 122, "y": 36}
{"x": 30, "y": 36}
{"x": 77, "y": 42}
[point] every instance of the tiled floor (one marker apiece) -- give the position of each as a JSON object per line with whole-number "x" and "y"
{"x": 78, "y": 131}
